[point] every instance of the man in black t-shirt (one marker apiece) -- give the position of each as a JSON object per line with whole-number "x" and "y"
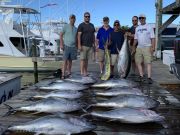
{"x": 131, "y": 40}
{"x": 86, "y": 40}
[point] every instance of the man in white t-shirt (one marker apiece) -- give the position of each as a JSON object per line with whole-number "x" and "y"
{"x": 144, "y": 35}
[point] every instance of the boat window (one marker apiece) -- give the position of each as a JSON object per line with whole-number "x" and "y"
{"x": 1, "y": 45}
{"x": 18, "y": 42}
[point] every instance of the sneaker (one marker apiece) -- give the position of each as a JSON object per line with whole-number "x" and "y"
{"x": 141, "y": 79}
{"x": 150, "y": 81}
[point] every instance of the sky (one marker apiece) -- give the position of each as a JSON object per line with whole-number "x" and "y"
{"x": 121, "y": 10}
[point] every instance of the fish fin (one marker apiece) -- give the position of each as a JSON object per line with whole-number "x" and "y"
{"x": 68, "y": 134}
{"x": 11, "y": 110}
{"x": 111, "y": 120}
{"x": 34, "y": 113}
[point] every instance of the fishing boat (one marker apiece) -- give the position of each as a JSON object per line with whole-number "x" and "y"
{"x": 16, "y": 41}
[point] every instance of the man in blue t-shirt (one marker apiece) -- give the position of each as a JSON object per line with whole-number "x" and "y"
{"x": 102, "y": 39}
{"x": 116, "y": 42}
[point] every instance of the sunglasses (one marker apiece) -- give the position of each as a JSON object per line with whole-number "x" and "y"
{"x": 87, "y": 16}
{"x": 116, "y": 24}
{"x": 141, "y": 18}
{"x": 134, "y": 20}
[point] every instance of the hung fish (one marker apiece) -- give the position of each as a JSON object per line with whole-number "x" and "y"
{"x": 68, "y": 94}
{"x": 119, "y": 91}
{"x": 115, "y": 83}
{"x": 64, "y": 86}
{"x": 124, "y": 60}
{"x": 135, "y": 101}
{"x": 49, "y": 105}
{"x": 55, "y": 125}
{"x": 130, "y": 115}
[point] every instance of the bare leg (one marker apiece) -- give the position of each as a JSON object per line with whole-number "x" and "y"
{"x": 64, "y": 67}
{"x": 85, "y": 67}
{"x": 82, "y": 67}
{"x": 101, "y": 65}
{"x": 140, "y": 69}
{"x": 69, "y": 66}
{"x": 149, "y": 70}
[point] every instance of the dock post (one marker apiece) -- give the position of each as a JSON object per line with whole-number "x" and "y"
{"x": 34, "y": 54}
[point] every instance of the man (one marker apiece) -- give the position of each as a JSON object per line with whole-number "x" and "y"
{"x": 68, "y": 44}
{"x": 116, "y": 42}
{"x": 131, "y": 40}
{"x": 101, "y": 40}
{"x": 86, "y": 40}
{"x": 144, "y": 36}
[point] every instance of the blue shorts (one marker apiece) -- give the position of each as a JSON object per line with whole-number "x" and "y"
{"x": 70, "y": 53}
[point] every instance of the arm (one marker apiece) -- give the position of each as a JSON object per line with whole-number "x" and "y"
{"x": 61, "y": 41}
{"x": 152, "y": 44}
{"x": 79, "y": 41}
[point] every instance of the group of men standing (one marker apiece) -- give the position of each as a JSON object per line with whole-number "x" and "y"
{"x": 140, "y": 37}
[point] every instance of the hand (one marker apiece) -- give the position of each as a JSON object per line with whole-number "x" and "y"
{"x": 80, "y": 48}
{"x": 62, "y": 47}
{"x": 152, "y": 50}
{"x": 133, "y": 51}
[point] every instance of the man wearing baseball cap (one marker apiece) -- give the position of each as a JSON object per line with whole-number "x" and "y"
{"x": 68, "y": 45}
{"x": 102, "y": 39}
{"x": 144, "y": 36}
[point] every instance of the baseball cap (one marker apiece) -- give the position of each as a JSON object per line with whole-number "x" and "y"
{"x": 72, "y": 16}
{"x": 142, "y": 15}
{"x": 116, "y": 21}
{"x": 105, "y": 18}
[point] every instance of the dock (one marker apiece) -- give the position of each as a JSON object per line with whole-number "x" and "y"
{"x": 165, "y": 89}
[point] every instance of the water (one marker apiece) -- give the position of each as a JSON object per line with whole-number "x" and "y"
{"x": 28, "y": 78}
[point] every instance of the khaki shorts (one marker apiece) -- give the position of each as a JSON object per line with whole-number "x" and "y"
{"x": 101, "y": 54}
{"x": 143, "y": 54}
{"x": 85, "y": 54}
{"x": 114, "y": 59}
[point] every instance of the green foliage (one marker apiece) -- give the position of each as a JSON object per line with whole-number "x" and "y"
{"x": 125, "y": 28}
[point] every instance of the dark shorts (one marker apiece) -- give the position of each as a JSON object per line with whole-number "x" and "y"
{"x": 70, "y": 53}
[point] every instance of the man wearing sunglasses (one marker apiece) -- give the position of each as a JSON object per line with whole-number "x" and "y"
{"x": 144, "y": 36}
{"x": 102, "y": 39}
{"x": 116, "y": 42}
{"x": 86, "y": 40}
{"x": 131, "y": 40}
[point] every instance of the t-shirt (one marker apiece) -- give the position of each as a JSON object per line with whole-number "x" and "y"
{"x": 117, "y": 39}
{"x": 69, "y": 35}
{"x": 144, "y": 34}
{"x": 132, "y": 30}
{"x": 103, "y": 36}
{"x": 87, "y": 36}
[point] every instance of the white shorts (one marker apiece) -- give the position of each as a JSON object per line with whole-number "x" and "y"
{"x": 114, "y": 59}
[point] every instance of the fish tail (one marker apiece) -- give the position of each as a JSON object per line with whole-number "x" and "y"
{"x": 11, "y": 110}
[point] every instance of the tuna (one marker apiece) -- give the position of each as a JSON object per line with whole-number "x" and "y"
{"x": 124, "y": 61}
{"x": 135, "y": 101}
{"x": 64, "y": 86}
{"x": 50, "y": 105}
{"x": 82, "y": 80}
{"x": 119, "y": 91}
{"x": 60, "y": 94}
{"x": 55, "y": 125}
{"x": 115, "y": 83}
{"x": 130, "y": 115}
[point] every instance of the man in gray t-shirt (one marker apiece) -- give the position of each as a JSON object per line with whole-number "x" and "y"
{"x": 86, "y": 40}
{"x": 68, "y": 45}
